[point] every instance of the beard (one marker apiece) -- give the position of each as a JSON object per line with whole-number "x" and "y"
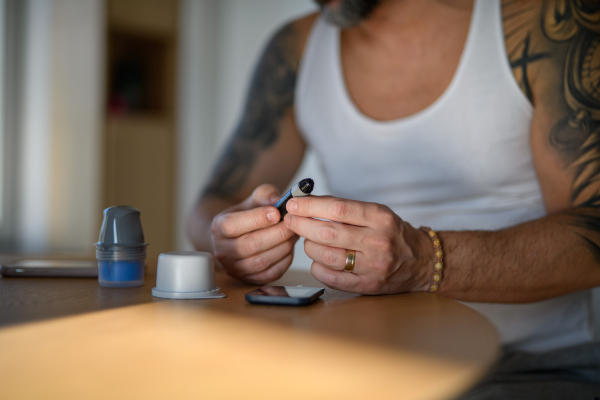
{"x": 349, "y": 13}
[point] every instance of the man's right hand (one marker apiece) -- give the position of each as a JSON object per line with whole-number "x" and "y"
{"x": 249, "y": 241}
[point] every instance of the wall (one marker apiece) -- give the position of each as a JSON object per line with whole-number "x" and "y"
{"x": 197, "y": 90}
{"x": 77, "y": 109}
{"x": 34, "y": 167}
{"x": 59, "y": 93}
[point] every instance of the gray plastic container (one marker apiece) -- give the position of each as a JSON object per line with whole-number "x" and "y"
{"x": 121, "y": 249}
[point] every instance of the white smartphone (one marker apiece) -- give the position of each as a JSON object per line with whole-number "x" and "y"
{"x": 51, "y": 268}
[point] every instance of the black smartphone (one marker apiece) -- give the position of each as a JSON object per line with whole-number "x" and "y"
{"x": 51, "y": 268}
{"x": 284, "y": 295}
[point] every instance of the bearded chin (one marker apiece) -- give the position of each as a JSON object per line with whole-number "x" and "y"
{"x": 350, "y": 12}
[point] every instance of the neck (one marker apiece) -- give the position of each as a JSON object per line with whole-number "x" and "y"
{"x": 392, "y": 18}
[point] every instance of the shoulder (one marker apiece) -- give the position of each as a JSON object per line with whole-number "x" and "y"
{"x": 304, "y": 24}
{"x": 301, "y": 28}
{"x": 534, "y": 59}
{"x": 553, "y": 47}
{"x": 288, "y": 41}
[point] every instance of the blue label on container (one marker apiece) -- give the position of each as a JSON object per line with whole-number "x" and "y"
{"x": 121, "y": 273}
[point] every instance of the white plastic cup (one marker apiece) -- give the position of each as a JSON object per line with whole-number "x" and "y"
{"x": 186, "y": 275}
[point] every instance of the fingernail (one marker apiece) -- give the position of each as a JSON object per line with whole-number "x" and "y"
{"x": 292, "y": 205}
{"x": 273, "y": 216}
{"x": 273, "y": 199}
{"x": 287, "y": 219}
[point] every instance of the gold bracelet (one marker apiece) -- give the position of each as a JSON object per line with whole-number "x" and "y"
{"x": 438, "y": 266}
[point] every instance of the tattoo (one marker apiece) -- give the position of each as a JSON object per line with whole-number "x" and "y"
{"x": 589, "y": 221}
{"x": 522, "y": 63}
{"x": 270, "y": 96}
{"x": 577, "y": 135}
{"x": 518, "y": 20}
{"x": 576, "y": 25}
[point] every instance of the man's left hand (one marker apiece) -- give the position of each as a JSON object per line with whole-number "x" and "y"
{"x": 391, "y": 255}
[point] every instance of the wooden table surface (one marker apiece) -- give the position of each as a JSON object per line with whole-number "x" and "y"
{"x": 72, "y": 339}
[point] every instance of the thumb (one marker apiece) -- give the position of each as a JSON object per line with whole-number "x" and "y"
{"x": 264, "y": 195}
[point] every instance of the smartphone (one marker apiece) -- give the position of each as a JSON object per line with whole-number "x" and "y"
{"x": 51, "y": 268}
{"x": 284, "y": 295}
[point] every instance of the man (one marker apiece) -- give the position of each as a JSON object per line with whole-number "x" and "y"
{"x": 480, "y": 119}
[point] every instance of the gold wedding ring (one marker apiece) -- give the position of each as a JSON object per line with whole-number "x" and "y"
{"x": 350, "y": 259}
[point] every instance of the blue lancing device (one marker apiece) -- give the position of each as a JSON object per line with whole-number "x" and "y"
{"x": 302, "y": 188}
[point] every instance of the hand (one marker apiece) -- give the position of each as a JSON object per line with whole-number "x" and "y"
{"x": 391, "y": 255}
{"x": 249, "y": 241}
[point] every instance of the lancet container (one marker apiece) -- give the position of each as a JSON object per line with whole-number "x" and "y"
{"x": 121, "y": 249}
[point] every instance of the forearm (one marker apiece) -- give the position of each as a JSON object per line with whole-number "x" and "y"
{"x": 537, "y": 260}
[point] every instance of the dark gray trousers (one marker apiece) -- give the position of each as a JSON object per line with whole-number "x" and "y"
{"x": 571, "y": 373}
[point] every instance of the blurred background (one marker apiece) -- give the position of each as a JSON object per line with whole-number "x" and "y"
{"x": 121, "y": 102}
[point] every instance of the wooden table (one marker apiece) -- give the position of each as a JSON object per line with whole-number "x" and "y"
{"x": 72, "y": 339}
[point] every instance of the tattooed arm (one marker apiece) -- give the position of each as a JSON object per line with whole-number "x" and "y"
{"x": 554, "y": 50}
{"x": 265, "y": 147}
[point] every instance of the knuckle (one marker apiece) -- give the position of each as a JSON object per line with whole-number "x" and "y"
{"x": 340, "y": 209}
{"x": 272, "y": 274}
{"x": 215, "y": 228}
{"x": 380, "y": 267}
{"x": 383, "y": 245}
{"x": 258, "y": 192}
{"x": 327, "y": 234}
{"x": 263, "y": 192}
{"x": 328, "y": 279}
{"x": 332, "y": 280}
{"x": 226, "y": 225}
{"x": 296, "y": 225}
{"x": 249, "y": 245}
{"x": 385, "y": 216}
{"x": 375, "y": 286}
{"x": 308, "y": 248}
{"x": 277, "y": 271}
{"x": 256, "y": 264}
{"x": 330, "y": 257}
{"x": 283, "y": 233}
{"x": 258, "y": 218}
{"x": 294, "y": 222}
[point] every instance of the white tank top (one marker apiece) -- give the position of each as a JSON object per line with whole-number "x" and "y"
{"x": 464, "y": 162}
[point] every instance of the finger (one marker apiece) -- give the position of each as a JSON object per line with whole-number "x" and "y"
{"x": 326, "y": 232}
{"x": 272, "y": 273}
{"x": 332, "y": 257}
{"x": 335, "y": 209}
{"x": 256, "y": 242}
{"x": 264, "y": 195}
{"x": 235, "y": 224}
{"x": 262, "y": 261}
{"x": 346, "y": 281}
